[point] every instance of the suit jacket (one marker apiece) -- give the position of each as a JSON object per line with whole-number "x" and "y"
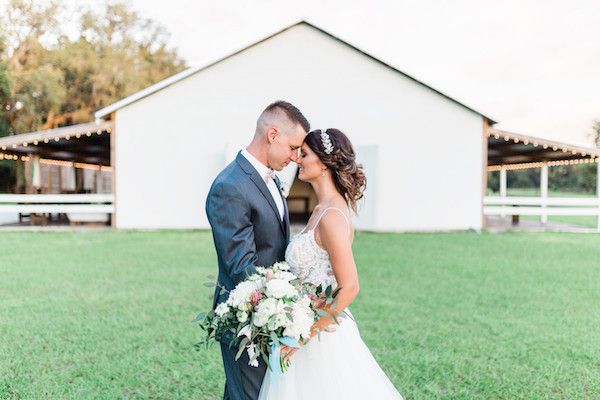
{"x": 246, "y": 227}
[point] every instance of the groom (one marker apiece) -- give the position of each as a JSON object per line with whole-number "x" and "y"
{"x": 250, "y": 222}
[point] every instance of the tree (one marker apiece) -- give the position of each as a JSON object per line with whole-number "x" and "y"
{"x": 57, "y": 80}
{"x": 4, "y": 92}
{"x": 596, "y": 132}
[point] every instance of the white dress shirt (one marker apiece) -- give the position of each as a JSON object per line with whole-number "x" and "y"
{"x": 263, "y": 170}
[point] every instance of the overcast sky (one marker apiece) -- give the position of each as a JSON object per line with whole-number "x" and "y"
{"x": 534, "y": 66}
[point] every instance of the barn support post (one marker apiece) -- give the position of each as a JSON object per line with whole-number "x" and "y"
{"x": 503, "y": 185}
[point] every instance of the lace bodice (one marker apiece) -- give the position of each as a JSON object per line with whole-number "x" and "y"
{"x": 309, "y": 261}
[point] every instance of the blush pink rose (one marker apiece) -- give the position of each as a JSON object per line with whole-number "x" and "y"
{"x": 256, "y": 297}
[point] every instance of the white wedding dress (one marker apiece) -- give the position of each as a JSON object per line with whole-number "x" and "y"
{"x": 338, "y": 365}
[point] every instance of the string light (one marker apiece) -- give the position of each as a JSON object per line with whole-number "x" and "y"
{"x": 78, "y": 135}
{"x": 540, "y": 164}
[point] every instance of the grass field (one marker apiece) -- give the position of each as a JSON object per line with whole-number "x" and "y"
{"x": 448, "y": 316}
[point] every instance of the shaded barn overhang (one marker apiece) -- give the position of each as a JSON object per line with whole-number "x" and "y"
{"x": 514, "y": 150}
{"x": 87, "y": 143}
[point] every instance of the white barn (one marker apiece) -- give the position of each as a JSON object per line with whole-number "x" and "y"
{"x": 171, "y": 139}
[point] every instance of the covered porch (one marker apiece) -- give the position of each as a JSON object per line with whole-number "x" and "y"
{"x": 64, "y": 176}
{"x": 509, "y": 151}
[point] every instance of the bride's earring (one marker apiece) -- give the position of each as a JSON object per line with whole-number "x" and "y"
{"x": 323, "y": 173}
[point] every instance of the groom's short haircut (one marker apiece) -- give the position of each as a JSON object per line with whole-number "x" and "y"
{"x": 281, "y": 107}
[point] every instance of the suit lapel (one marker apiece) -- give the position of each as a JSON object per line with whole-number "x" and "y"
{"x": 261, "y": 185}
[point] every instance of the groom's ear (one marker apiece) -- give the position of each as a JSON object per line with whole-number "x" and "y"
{"x": 272, "y": 133}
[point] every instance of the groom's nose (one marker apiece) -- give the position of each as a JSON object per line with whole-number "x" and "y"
{"x": 294, "y": 156}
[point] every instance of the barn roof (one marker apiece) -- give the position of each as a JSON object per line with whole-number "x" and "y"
{"x": 191, "y": 71}
{"x": 83, "y": 143}
{"x": 515, "y": 150}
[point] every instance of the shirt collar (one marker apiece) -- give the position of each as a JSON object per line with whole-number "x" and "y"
{"x": 261, "y": 168}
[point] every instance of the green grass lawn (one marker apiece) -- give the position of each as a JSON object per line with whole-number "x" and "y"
{"x": 448, "y": 316}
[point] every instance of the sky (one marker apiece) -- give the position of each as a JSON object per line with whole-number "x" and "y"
{"x": 531, "y": 65}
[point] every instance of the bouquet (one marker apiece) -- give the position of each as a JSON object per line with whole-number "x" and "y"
{"x": 270, "y": 308}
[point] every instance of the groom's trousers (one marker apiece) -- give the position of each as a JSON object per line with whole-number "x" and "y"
{"x": 243, "y": 381}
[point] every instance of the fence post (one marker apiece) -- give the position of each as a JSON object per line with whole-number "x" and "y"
{"x": 544, "y": 193}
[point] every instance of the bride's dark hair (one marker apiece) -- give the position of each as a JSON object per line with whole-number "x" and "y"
{"x": 348, "y": 176}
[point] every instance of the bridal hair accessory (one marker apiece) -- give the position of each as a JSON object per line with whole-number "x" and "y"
{"x": 326, "y": 140}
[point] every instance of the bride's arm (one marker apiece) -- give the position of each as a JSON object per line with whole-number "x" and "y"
{"x": 333, "y": 232}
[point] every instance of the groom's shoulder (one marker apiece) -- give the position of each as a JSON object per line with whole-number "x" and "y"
{"x": 231, "y": 176}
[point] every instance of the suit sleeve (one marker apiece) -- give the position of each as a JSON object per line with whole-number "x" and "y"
{"x": 229, "y": 216}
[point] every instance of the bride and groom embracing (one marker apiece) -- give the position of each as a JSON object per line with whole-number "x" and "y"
{"x": 250, "y": 225}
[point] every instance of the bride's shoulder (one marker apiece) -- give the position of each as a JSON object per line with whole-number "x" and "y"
{"x": 335, "y": 222}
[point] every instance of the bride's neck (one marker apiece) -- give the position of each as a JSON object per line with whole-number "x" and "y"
{"x": 325, "y": 191}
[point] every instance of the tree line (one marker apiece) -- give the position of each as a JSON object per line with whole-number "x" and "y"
{"x": 59, "y": 64}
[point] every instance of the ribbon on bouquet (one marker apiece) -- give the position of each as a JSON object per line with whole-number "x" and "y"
{"x": 275, "y": 356}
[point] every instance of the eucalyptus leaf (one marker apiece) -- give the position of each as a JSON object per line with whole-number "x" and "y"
{"x": 336, "y": 292}
{"x": 322, "y": 313}
{"x": 200, "y": 317}
{"x": 239, "y": 353}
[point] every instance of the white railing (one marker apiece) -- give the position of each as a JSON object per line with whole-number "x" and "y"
{"x": 542, "y": 206}
{"x": 57, "y": 203}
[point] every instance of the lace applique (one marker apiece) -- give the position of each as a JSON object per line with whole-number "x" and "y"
{"x": 309, "y": 261}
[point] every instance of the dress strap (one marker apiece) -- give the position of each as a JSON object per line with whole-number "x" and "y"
{"x": 333, "y": 208}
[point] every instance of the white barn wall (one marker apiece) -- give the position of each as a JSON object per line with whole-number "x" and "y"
{"x": 171, "y": 144}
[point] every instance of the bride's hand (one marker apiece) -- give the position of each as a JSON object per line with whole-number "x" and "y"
{"x": 288, "y": 352}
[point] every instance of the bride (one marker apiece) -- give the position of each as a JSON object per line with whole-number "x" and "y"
{"x": 337, "y": 364}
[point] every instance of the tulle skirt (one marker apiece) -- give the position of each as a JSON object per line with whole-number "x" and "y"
{"x": 338, "y": 366}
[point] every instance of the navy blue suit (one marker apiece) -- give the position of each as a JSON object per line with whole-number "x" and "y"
{"x": 247, "y": 232}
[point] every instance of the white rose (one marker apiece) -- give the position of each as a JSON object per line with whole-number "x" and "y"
{"x": 221, "y": 309}
{"x": 282, "y": 266}
{"x": 242, "y": 316}
{"x": 302, "y": 320}
{"x": 284, "y": 275}
{"x": 241, "y": 293}
{"x": 279, "y": 288}
{"x": 260, "y": 319}
{"x": 277, "y": 321}
{"x": 267, "y": 308}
